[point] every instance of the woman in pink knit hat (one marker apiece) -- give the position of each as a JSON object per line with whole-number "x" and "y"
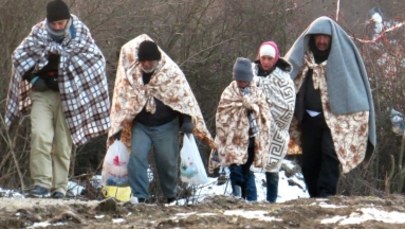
{"x": 272, "y": 75}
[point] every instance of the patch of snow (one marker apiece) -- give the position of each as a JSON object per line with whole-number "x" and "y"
{"x": 206, "y": 214}
{"x": 10, "y": 193}
{"x": 289, "y": 164}
{"x": 289, "y": 188}
{"x": 45, "y": 224}
{"x": 186, "y": 214}
{"x": 40, "y": 224}
{"x": 74, "y": 188}
{"x": 97, "y": 181}
{"x": 366, "y": 214}
{"x": 326, "y": 205}
{"x": 260, "y": 215}
{"x": 287, "y": 192}
{"x": 118, "y": 220}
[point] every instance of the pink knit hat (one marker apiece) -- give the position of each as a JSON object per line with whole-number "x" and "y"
{"x": 269, "y": 48}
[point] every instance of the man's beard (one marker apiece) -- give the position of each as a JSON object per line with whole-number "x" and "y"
{"x": 319, "y": 55}
{"x": 148, "y": 70}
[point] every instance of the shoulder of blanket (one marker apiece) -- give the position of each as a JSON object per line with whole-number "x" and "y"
{"x": 81, "y": 29}
{"x": 39, "y": 28}
{"x": 171, "y": 65}
{"x": 284, "y": 65}
{"x": 232, "y": 85}
{"x": 171, "y": 68}
{"x": 277, "y": 78}
{"x": 281, "y": 75}
{"x": 230, "y": 89}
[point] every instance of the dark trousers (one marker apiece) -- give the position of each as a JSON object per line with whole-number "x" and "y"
{"x": 241, "y": 175}
{"x": 272, "y": 186}
{"x": 320, "y": 165}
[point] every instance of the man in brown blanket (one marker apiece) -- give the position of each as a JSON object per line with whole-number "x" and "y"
{"x": 152, "y": 102}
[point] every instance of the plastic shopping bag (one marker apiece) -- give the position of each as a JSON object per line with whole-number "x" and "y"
{"x": 115, "y": 172}
{"x": 192, "y": 169}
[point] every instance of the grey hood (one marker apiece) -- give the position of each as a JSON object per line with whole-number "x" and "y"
{"x": 346, "y": 76}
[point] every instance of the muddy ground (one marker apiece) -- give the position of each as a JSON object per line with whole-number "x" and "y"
{"x": 213, "y": 212}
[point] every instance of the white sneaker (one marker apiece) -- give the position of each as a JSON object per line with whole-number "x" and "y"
{"x": 134, "y": 200}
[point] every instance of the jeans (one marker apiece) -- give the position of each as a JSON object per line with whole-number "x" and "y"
{"x": 236, "y": 190}
{"x": 164, "y": 140}
{"x": 243, "y": 177}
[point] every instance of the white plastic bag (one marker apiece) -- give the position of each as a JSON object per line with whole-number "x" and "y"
{"x": 115, "y": 172}
{"x": 192, "y": 169}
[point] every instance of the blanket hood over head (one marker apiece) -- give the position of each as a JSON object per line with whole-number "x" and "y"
{"x": 346, "y": 76}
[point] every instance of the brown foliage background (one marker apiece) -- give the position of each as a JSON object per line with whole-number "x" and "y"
{"x": 204, "y": 37}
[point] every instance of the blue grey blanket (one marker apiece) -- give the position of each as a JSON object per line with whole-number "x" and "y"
{"x": 346, "y": 76}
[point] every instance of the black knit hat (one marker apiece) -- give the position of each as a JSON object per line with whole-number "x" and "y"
{"x": 148, "y": 50}
{"x": 57, "y": 10}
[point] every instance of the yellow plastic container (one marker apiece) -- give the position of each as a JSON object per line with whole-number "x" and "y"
{"x": 123, "y": 194}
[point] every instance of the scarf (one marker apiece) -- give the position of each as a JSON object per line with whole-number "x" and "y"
{"x": 58, "y": 36}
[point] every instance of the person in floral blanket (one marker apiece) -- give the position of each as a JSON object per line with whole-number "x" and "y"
{"x": 152, "y": 102}
{"x": 242, "y": 128}
{"x": 334, "y": 107}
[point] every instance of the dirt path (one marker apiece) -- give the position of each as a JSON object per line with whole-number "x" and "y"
{"x": 214, "y": 212}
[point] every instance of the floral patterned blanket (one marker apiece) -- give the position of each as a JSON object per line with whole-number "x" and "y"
{"x": 232, "y": 127}
{"x": 349, "y": 131}
{"x": 168, "y": 84}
